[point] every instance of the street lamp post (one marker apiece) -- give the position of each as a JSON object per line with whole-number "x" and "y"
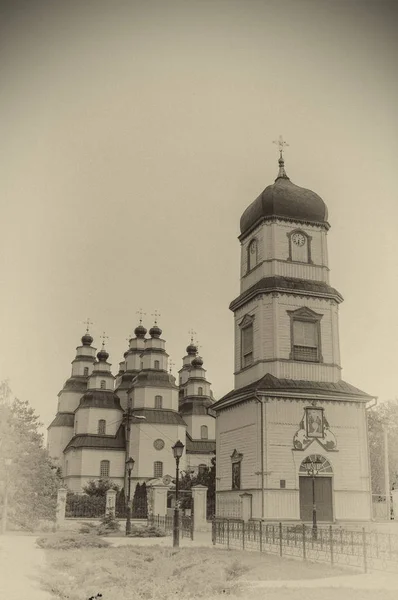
{"x": 312, "y": 468}
{"x": 178, "y": 450}
{"x": 129, "y": 466}
{"x": 7, "y": 462}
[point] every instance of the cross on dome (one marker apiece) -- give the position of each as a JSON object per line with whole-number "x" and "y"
{"x": 192, "y": 333}
{"x": 171, "y": 365}
{"x": 281, "y": 143}
{"x": 156, "y": 314}
{"x": 141, "y": 313}
{"x": 104, "y": 337}
{"x": 88, "y": 323}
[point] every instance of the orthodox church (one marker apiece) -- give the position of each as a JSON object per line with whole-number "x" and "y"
{"x": 103, "y": 420}
{"x": 290, "y": 414}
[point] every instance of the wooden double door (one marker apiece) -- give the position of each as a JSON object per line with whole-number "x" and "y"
{"x": 323, "y": 498}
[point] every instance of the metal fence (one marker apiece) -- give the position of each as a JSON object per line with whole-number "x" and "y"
{"x": 166, "y": 523}
{"x": 84, "y": 507}
{"x": 365, "y": 550}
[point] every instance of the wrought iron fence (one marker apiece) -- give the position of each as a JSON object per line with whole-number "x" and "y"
{"x": 366, "y": 550}
{"x": 167, "y": 523}
{"x": 139, "y": 507}
{"x": 84, "y": 506}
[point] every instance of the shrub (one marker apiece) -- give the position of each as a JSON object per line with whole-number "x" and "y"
{"x": 62, "y": 541}
{"x": 87, "y": 528}
{"x": 108, "y": 524}
{"x": 149, "y": 531}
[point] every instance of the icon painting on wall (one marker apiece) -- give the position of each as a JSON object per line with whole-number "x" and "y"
{"x": 314, "y": 426}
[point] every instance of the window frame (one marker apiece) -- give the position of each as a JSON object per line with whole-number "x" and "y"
{"x": 204, "y": 429}
{"x": 105, "y": 463}
{"x": 200, "y": 390}
{"x": 250, "y": 267}
{"x": 246, "y": 358}
{"x": 156, "y": 365}
{"x": 102, "y": 384}
{"x": 305, "y": 315}
{"x": 101, "y": 426}
{"x": 156, "y": 464}
{"x": 308, "y": 239}
{"x": 158, "y": 401}
{"x": 86, "y": 372}
{"x": 236, "y": 470}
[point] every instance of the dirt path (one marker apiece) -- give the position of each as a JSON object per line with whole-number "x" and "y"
{"x": 20, "y": 564}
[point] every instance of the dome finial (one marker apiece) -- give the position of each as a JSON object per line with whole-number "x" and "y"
{"x": 155, "y": 331}
{"x": 103, "y": 354}
{"x": 141, "y": 313}
{"x": 281, "y": 143}
{"x": 87, "y": 339}
{"x": 191, "y": 348}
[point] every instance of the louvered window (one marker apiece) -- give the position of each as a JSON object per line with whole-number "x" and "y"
{"x": 305, "y": 341}
{"x": 247, "y": 345}
{"x": 158, "y": 469}
{"x": 104, "y": 468}
{"x": 102, "y": 427}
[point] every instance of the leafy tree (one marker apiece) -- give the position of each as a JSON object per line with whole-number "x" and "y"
{"x": 383, "y": 415}
{"x": 99, "y": 487}
{"x": 33, "y": 479}
{"x": 206, "y": 477}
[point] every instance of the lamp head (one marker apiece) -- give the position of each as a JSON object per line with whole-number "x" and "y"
{"x": 178, "y": 449}
{"x": 130, "y": 462}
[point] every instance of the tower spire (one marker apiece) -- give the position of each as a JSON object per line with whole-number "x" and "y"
{"x": 281, "y": 143}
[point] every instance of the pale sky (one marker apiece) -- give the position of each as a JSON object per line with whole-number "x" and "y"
{"x": 134, "y": 134}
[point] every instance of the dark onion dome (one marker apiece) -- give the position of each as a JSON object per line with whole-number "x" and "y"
{"x": 191, "y": 349}
{"x": 155, "y": 331}
{"x": 140, "y": 331}
{"x": 197, "y": 362}
{"x": 87, "y": 340}
{"x": 102, "y": 355}
{"x": 286, "y": 200}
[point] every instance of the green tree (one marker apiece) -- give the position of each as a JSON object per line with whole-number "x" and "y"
{"x": 383, "y": 415}
{"x": 33, "y": 479}
{"x": 99, "y": 487}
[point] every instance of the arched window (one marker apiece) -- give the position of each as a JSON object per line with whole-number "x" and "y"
{"x": 157, "y": 469}
{"x": 200, "y": 391}
{"x": 305, "y": 335}
{"x": 247, "y": 345}
{"x": 85, "y": 371}
{"x": 204, "y": 433}
{"x": 157, "y": 364}
{"x": 158, "y": 402}
{"x": 104, "y": 468}
{"x": 103, "y": 384}
{"x": 102, "y": 426}
{"x": 252, "y": 255}
{"x": 141, "y": 365}
{"x": 325, "y": 467}
{"x": 67, "y": 468}
{"x": 201, "y": 469}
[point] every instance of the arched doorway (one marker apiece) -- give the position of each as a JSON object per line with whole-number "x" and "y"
{"x": 323, "y": 491}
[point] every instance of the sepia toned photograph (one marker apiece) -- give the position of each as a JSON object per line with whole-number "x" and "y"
{"x": 199, "y": 273}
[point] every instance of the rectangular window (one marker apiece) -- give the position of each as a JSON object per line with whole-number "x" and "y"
{"x": 158, "y": 402}
{"x": 305, "y": 341}
{"x": 102, "y": 427}
{"x": 158, "y": 469}
{"x": 104, "y": 468}
{"x": 236, "y": 475}
{"x": 247, "y": 345}
{"x": 282, "y": 484}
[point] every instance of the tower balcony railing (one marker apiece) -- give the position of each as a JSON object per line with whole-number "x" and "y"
{"x": 305, "y": 353}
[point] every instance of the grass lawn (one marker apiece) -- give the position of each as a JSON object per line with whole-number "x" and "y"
{"x": 161, "y": 573}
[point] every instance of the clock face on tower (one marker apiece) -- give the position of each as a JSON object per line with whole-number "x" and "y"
{"x": 298, "y": 239}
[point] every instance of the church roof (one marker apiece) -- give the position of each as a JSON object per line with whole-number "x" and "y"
{"x": 75, "y": 384}
{"x": 100, "y": 399}
{"x": 104, "y": 442}
{"x": 277, "y": 283}
{"x": 126, "y": 380}
{"x": 196, "y": 407}
{"x": 286, "y": 200}
{"x": 199, "y": 446}
{"x": 63, "y": 420}
{"x": 155, "y": 415}
{"x": 153, "y": 378}
{"x": 292, "y": 388}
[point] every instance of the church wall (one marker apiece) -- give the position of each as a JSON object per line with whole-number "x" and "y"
{"x": 57, "y": 439}
{"x": 197, "y": 421}
{"x": 86, "y": 420}
{"x": 95, "y": 381}
{"x": 238, "y": 428}
{"x": 194, "y": 460}
{"x": 144, "y": 453}
{"x": 91, "y": 460}
{"x": 144, "y": 397}
{"x": 68, "y": 401}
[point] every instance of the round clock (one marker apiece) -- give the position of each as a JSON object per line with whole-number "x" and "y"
{"x": 158, "y": 444}
{"x": 298, "y": 239}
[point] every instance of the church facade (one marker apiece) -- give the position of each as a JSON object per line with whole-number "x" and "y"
{"x": 289, "y": 403}
{"x": 103, "y": 420}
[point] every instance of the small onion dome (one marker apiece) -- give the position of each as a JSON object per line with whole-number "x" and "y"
{"x": 197, "y": 362}
{"x": 87, "y": 340}
{"x": 155, "y": 331}
{"x": 191, "y": 349}
{"x": 102, "y": 355}
{"x": 140, "y": 331}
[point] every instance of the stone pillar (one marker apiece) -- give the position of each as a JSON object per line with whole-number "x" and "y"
{"x": 394, "y": 494}
{"x": 199, "y": 497}
{"x": 110, "y": 502}
{"x": 61, "y": 507}
{"x": 246, "y": 506}
{"x": 159, "y": 499}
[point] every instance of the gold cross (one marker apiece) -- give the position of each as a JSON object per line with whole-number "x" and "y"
{"x": 104, "y": 337}
{"x": 171, "y": 365}
{"x": 141, "y": 313}
{"x": 88, "y": 323}
{"x": 192, "y": 333}
{"x": 281, "y": 143}
{"x": 156, "y": 314}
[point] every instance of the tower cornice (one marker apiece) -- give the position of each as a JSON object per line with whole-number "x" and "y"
{"x": 287, "y": 285}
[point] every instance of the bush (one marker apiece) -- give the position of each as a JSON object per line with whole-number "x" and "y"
{"x": 62, "y": 541}
{"x": 87, "y": 528}
{"x": 109, "y": 524}
{"x": 149, "y": 531}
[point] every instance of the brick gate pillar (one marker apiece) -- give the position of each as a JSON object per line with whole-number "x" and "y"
{"x": 110, "y": 506}
{"x": 199, "y": 497}
{"x": 159, "y": 499}
{"x": 246, "y": 506}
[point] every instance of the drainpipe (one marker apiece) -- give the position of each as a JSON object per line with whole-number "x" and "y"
{"x": 262, "y": 412}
